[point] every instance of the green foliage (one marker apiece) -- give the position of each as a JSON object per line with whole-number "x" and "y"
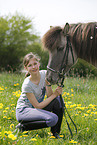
{"x": 80, "y": 97}
{"x": 17, "y": 38}
{"x": 83, "y": 69}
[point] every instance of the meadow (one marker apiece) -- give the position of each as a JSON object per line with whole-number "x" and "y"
{"x": 80, "y": 97}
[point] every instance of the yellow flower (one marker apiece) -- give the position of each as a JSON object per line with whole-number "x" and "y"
{"x": 88, "y": 111}
{"x": 79, "y": 105}
{"x": 95, "y": 112}
{"x": 25, "y": 135}
{"x": 12, "y": 136}
{"x": 52, "y": 136}
{"x": 4, "y": 111}
{"x": 12, "y": 125}
{"x": 71, "y": 90}
{"x": 9, "y": 117}
{"x": 12, "y": 104}
{"x": 7, "y": 108}
{"x": 64, "y": 94}
{"x": 33, "y": 139}
{"x": 4, "y": 117}
{"x": 25, "y": 132}
{"x": 72, "y": 141}
{"x": 72, "y": 95}
{"x": 8, "y": 132}
{"x": 85, "y": 114}
{"x": 68, "y": 94}
{"x": 1, "y": 88}
{"x": 1, "y": 105}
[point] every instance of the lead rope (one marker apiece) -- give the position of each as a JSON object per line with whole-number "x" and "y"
{"x": 64, "y": 108}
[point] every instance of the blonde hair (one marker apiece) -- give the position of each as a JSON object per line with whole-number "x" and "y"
{"x": 27, "y": 59}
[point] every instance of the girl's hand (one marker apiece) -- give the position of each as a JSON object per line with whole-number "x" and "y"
{"x": 58, "y": 91}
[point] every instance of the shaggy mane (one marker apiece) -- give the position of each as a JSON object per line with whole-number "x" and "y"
{"x": 52, "y": 38}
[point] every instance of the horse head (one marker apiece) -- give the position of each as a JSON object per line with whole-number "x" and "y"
{"x": 67, "y": 44}
{"x": 61, "y": 53}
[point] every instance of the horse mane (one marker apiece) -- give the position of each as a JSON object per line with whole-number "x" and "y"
{"x": 52, "y": 38}
{"x": 84, "y": 38}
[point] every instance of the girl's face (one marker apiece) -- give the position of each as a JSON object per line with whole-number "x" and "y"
{"x": 33, "y": 66}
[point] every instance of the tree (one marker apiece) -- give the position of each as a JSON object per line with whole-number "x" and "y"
{"x": 16, "y": 34}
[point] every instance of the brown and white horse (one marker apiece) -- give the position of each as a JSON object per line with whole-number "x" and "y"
{"x": 66, "y": 45}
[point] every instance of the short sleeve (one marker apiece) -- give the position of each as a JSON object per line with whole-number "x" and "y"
{"x": 26, "y": 89}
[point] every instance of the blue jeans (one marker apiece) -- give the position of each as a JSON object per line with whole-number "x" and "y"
{"x": 41, "y": 118}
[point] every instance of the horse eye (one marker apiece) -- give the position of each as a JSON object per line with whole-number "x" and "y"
{"x": 60, "y": 48}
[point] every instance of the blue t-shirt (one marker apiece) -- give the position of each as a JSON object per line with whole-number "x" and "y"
{"x": 29, "y": 87}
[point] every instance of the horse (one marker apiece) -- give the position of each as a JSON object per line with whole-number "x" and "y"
{"x": 67, "y": 44}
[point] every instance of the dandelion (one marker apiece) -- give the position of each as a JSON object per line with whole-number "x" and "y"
{"x": 88, "y": 111}
{"x": 1, "y": 105}
{"x": 64, "y": 94}
{"x": 33, "y": 139}
{"x": 68, "y": 94}
{"x": 7, "y": 108}
{"x": 72, "y": 141}
{"x": 71, "y": 90}
{"x": 8, "y": 132}
{"x": 85, "y": 114}
{"x": 12, "y": 136}
{"x": 79, "y": 112}
{"x": 61, "y": 136}
{"x": 25, "y": 132}
{"x": 12, "y": 105}
{"x": 79, "y": 105}
{"x": 52, "y": 137}
{"x": 4, "y": 117}
{"x": 1, "y": 88}
{"x": 69, "y": 102}
{"x": 12, "y": 126}
{"x": 25, "y": 135}
{"x": 9, "y": 118}
{"x": 95, "y": 113}
{"x": 72, "y": 95}
{"x": 4, "y": 111}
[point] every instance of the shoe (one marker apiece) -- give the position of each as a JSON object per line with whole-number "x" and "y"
{"x": 20, "y": 127}
{"x": 56, "y": 135}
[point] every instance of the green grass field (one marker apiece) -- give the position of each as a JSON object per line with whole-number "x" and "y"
{"x": 80, "y": 97}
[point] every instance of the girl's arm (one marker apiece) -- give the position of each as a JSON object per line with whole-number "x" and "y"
{"x": 49, "y": 90}
{"x": 44, "y": 103}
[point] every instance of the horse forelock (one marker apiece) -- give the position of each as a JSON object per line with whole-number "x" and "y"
{"x": 52, "y": 38}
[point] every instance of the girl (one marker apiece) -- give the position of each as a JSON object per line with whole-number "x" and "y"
{"x": 32, "y": 111}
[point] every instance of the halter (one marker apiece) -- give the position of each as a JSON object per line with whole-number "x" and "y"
{"x": 61, "y": 73}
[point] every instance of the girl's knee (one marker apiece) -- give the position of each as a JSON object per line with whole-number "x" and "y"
{"x": 52, "y": 120}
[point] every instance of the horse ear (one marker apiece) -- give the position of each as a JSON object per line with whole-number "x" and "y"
{"x": 66, "y": 29}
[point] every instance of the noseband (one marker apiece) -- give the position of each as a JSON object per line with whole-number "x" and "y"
{"x": 62, "y": 71}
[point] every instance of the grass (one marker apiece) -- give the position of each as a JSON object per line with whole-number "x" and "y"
{"x": 80, "y": 97}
